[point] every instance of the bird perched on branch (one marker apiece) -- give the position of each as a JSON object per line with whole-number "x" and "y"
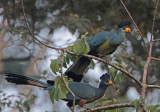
{"x": 84, "y": 93}
{"x": 103, "y": 43}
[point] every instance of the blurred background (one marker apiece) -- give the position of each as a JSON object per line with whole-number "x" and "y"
{"x": 60, "y": 23}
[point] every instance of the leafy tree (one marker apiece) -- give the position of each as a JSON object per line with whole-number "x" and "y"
{"x": 21, "y": 52}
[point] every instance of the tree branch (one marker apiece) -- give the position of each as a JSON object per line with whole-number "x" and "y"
{"x": 116, "y": 67}
{"x": 145, "y": 73}
{"x": 154, "y": 19}
{"x": 153, "y": 86}
{"x": 24, "y": 14}
{"x": 156, "y": 59}
{"x": 113, "y": 106}
{"x": 16, "y": 59}
{"x": 62, "y": 61}
{"x": 155, "y": 40}
{"x": 135, "y": 26}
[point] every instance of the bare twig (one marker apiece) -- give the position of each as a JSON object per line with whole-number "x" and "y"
{"x": 153, "y": 86}
{"x": 24, "y": 14}
{"x": 113, "y": 106}
{"x": 154, "y": 19}
{"x": 62, "y": 61}
{"x": 155, "y": 40}
{"x": 116, "y": 67}
{"x": 156, "y": 59}
{"x": 145, "y": 73}
{"x": 135, "y": 26}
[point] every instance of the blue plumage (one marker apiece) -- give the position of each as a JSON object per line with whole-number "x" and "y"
{"x": 84, "y": 92}
{"x": 103, "y": 43}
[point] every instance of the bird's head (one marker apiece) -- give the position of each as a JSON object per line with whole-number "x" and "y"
{"x": 106, "y": 79}
{"x": 124, "y": 26}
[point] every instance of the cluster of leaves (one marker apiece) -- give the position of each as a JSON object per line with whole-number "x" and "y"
{"x": 59, "y": 91}
{"x": 80, "y": 47}
{"x": 116, "y": 74}
{"x": 22, "y": 103}
{"x": 154, "y": 108}
{"x": 138, "y": 102}
{"x": 151, "y": 108}
{"x": 104, "y": 101}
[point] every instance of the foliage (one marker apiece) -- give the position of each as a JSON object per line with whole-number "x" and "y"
{"x": 137, "y": 103}
{"x": 116, "y": 74}
{"x": 22, "y": 101}
{"x": 154, "y": 108}
{"x": 79, "y": 16}
{"x": 81, "y": 46}
{"x": 59, "y": 90}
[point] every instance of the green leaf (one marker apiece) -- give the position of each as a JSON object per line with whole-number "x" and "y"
{"x": 142, "y": 100}
{"x": 136, "y": 103}
{"x": 70, "y": 48}
{"x": 55, "y": 64}
{"x": 113, "y": 72}
{"x": 81, "y": 47}
{"x": 121, "y": 65}
{"x": 84, "y": 36}
{"x": 71, "y": 57}
{"x": 121, "y": 77}
{"x": 56, "y": 94}
{"x": 61, "y": 94}
{"x": 52, "y": 95}
{"x": 122, "y": 109}
{"x": 64, "y": 89}
{"x": 57, "y": 81}
{"x": 67, "y": 60}
{"x": 106, "y": 102}
{"x": 64, "y": 64}
{"x": 153, "y": 108}
{"x": 92, "y": 64}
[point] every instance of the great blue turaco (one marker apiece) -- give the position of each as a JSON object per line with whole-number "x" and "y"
{"x": 84, "y": 93}
{"x": 103, "y": 43}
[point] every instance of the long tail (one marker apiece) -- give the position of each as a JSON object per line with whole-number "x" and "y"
{"x": 77, "y": 70}
{"x": 24, "y": 80}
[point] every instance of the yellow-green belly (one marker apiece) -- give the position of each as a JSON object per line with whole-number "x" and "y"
{"x": 105, "y": 48}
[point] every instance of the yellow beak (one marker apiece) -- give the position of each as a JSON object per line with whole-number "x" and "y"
{"x": 128, "y": 30}
{"x": 111, "y": 83}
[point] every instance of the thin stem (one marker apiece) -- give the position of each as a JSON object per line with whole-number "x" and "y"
{"x": 155, "y": 40}
{"x": 156, "y": 59}
{"x": 113, "y": 106}
{"x": 145, "y": 73}
{"x": 62, "y": 61}
{"x": 24, "y": 14}
{"x": 153, "y": 86}
{"x": 135, "y": 26}
{"x": 116, "y": 67}
{"x": 154, "y": 18}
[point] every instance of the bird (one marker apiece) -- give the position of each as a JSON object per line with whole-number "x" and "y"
{"x": 103, "y": 43}
{"x": 84, "y": 92}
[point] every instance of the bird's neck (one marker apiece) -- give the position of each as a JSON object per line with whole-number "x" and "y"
{"x": 121, "y": 33}
{"x": 118, "y": 38}
{"x": 101, "y": 90}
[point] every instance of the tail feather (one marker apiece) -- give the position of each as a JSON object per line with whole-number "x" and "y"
{"x": 24, "y": 80}
{"x": 77, "y": 70}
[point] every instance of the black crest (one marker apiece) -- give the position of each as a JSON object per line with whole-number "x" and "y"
{"x": 105, "y": 77}
{"x": 124, "y": 23}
